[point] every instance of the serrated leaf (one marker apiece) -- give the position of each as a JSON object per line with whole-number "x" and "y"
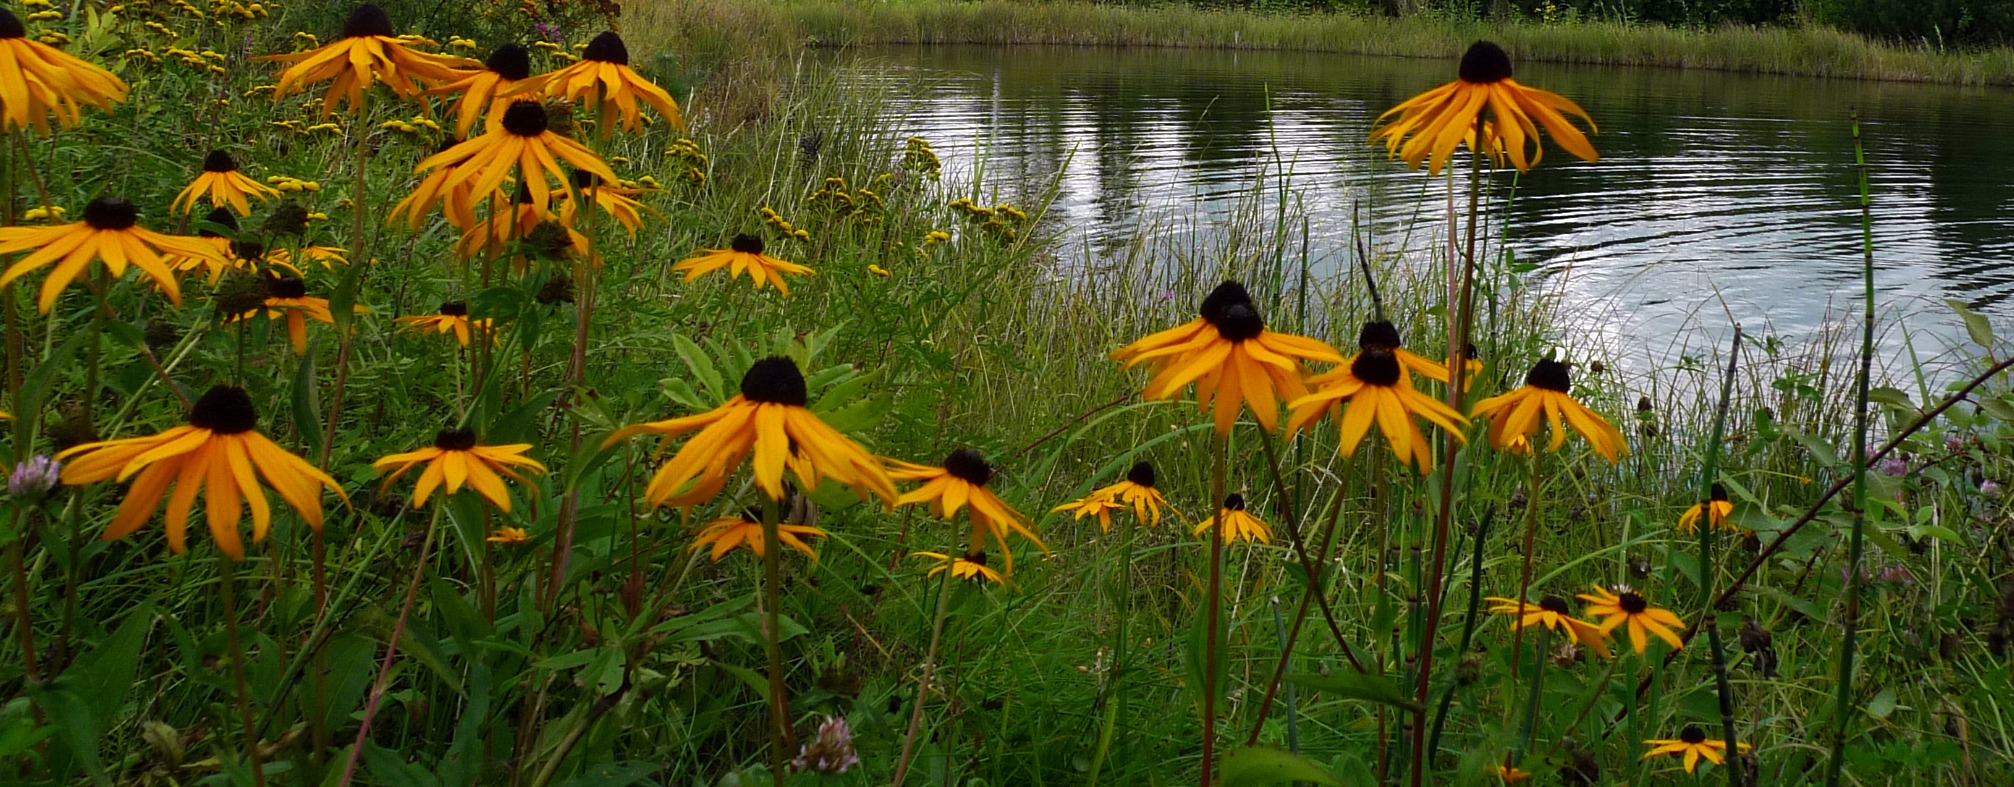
{"x": 1254, "y": 765}
{"x": 1357, "y": 686}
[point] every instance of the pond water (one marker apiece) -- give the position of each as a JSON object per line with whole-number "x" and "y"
{"x": 1717, "y": 196}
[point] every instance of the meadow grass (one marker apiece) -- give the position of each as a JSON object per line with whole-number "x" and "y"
{"x": 643, "y": 661}
{"x": 1800, "y": 49}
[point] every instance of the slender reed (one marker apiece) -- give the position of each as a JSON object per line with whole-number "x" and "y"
{"x": 1218, "y": 451}
{"x": 392, "y": 651}
{"x": 923, "y": 680}
{"x": 1843, "y": 701}
{"x": 772, "y": 647}
{"x": 1531, "y": 507}
{"x": 226, "y": 581}
{"x": 1709, "y": 619}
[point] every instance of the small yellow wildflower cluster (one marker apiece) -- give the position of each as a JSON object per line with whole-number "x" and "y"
{"x": 303, "y": 42}
{"x": 417, "y": 124}
{"x": 295, "y": 185}
{"x": 687, "y": 152}
{"x": 160, "y": 29}
{"x": 205, "y": 60}
{"x": 862, "y": 204}
{"x": 920, "y": 159}
{"x": 187, "y": 8}
{"x": 773, "y": 219}
{"x": 55, "y": 38}
{"x": 228, "y": 9}
{"x": 559, "y": 54}
{"x": 50, "y": 213}
{"x": 302, "y": 129}
{"x": 141, "y": 54}
{"x": 933, "y": 238}
{"x": 1000, "y": 220}
{"x": 458, "y": 42}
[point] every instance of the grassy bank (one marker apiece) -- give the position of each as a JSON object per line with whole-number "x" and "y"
{"x": 1807, "y": 50}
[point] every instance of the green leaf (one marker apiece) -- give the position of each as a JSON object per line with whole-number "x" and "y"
{"x": 1263, "y": 765}
{"x": 1976, "y": 325}
{"x": 1882, "y": 704}
{"x": 1893, "y": 397}
{"x": 389, "y": 769}
{"x": 74, "y": 727}
{"x": 1996, "y": 407}
{"x": 306, "y": 406}
{"x": 1357, "y": 686}
{"x": 701, "y": 367}
{"x": 613, "y": 774}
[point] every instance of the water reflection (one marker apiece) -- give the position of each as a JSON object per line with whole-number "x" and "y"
{"x": 1712, "y": 188}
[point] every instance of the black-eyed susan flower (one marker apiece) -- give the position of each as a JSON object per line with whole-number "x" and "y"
{"x": 509, "y": 536}
{"x": 971, "y": 567}
{"x": 769, "y": 419}
{"x": 458, "y": 203}
{"x": 1717, "y": 509}
{"x": 523, "y": 144}
{"x": 1234, "y": 523}
{"x": 110, "y": 233}
{"x": 215, "y": 266}
{"x": 1137, "y": 492}
{"x": 1374, "y": 387}
{"x": 1473, "y": 365}
{"x": 603, "y": 81}
{"x": 524, "y": 225}
{"x": 453, "y": 317}
{"x": 38, "y": 80}
{"x": 1547, "y": 392}
{"x": 457, "y": 458}
{"x": 1382, "y": 335}
{"x": 1508, "y": 773}
{"x": 1429, "y": 126}
{"x": 724, "y": 534}
{"x": 223, "y": 185}
{"x": 744, "y": 254}
{"x": 220, "y": 454}
{"x": 1233, "y": 359}
{"x": 1552, "y": 613}
{"x": 613, "y": 199}
{"x": 287, "y": 300}
{"x": 367, "y": 53}
{"x": 1625, "y": 606}
{"x": 1693, "y": 745}
{"x": 482, "y": 89}
{"x": 961, "y": 484}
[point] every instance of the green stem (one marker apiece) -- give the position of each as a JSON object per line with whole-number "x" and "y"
{"x": 1843, "y": 704}
{"x": 1122, "y": 607}
{"x": 251, "y": 739}
{"x": 1468, "y": 623}
{"x": 392, "y": 650}
{"x": 1210, "y": 616}
{"x": 1708, "y": 618}
{"x": 772, "y": 647}
{"x": 1531, "y": 507}
{"x": 1529, "y": 725}
{"x": 923, "y": 680}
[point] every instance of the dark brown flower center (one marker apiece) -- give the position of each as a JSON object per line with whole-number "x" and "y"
{"x": 1235, "y": 502}
{"x": 1718, "y": 493}
{"x": 219, "y": 161}
{"x": 221, "y": 217}
{"x": 976, "y": 557}
{"x": 1142, "y": 474}
{"x": 584, "y": 180}
{"x": 1229, "y": 308}
{"x": 111, "y": 213}
{"x": 775, "y": 380}
{"x": 225, "y": 409}
{"x": 1485, "y": 62}
{"x": 248, "y": 249}
{"x": 1692, "y": 734}
{"x": 746, "y": 244}
{"x": 1553, "y": 604}
{"x": 285, "y": 287}
{"x": 455, "y": 309}
{"x": 607, "y": 48}
{"x": 1550, "y": 375}
{"x": 1631, "y": 602}
{"x": 367, "y": 20}
{"x": 969, "y": 465}
{"x": 461, "y": 439}
{"x": 1379, "y": 334}
{"x": 525, "y": 118}
{"x": 509, "y": 61}
{"x": 10, "y": 25}
{"x": 1376, "y": 367}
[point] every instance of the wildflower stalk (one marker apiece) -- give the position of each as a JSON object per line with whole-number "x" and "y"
{"x": 391, "y": 649}
{"x": 1708, "y": 618}
{"x": 251, "y": 740}
{"x": 1468, "y": 622}
{"x": 22, "y": 627}
{"x": 1843, "y": 705}
{"x": 1122, "y": 602}
{"x": 1218, "y": 449}
{"x": 1531, "y": 506}
{"x": 1294, "y": 630}
{"x": 1529, "y": 723}
{"x": 772, "y": 648}
{"x": 929, "y": 672}
{"x": 1292, "y": 524}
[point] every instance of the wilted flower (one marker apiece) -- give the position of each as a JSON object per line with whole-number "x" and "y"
{"x": 34, "y": 477}
{"x": 831, "y": 752}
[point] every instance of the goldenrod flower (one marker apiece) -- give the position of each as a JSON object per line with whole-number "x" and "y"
{"x": 521, "y": 143}
{"x": 1374, "y": 386}
{"x": 38, "y": 80}
{"x": 613, "y": 199}
{"x": 1136, "y": 491}
{"x": 961, "y": 484}
{"x": 1552, "y": 613}
{"x": 726, "y": 533}
{"x": 456, "y": 458}
{"x": 109, "y": 232}
{"x": 1546, "y": 391}
{"x": 1720, "y": 507}
{"x": 1628, "y": 606}
{"x": 1230, "y": 356}
{"x": 744, "y": 254}
{"x": 1430, "y": 125}
{"x": 366, "y": 53}
{"x": 287, "y": 299}
{"x": 221, "y": 454}
{"x": 1237, "y": 523}
{"x": 509, "y": 536}
{"x": 602, "y": 80}
{"x": 223, "y": 185}
{"x": 452, "y": 318}
{"x": 769, "y": 419}
{"x": 971, "y": 568}
{"x": 1693, "y": 745}
{"x": 482, "y": 89}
